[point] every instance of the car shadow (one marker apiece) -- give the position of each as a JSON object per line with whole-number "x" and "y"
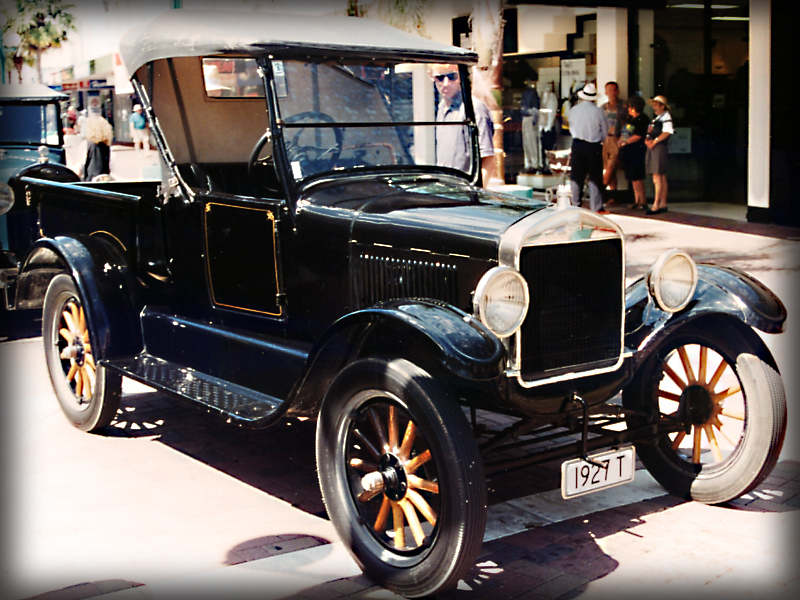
{"x": 555, "y": 560}
{"x": 19, "y": 324}
{"x": 279, "y": 460}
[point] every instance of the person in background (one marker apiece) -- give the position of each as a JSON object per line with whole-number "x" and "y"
{"x": 658, "y": 133}
{"x": 453, "y": 144}
{"x": 71, "y": 121}
{"x": 74, "y": 143}
{"x": 632, "y": 149}
{"x": 589, "y": 128}
{"x": 615, "y": 112}
{"x": 139, "y": 131}
{"x": 548, "y": 114}
{"x": 531, "y": 137}
{"x": 99, "y": 135}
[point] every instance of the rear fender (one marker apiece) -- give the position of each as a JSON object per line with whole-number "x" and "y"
{"x": 105, "y": 283}
{"x": 435, "y": 336}
{"x": 720, "y": 291}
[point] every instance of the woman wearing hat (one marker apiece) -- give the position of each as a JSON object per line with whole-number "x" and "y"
{"x": 658, "y": 133}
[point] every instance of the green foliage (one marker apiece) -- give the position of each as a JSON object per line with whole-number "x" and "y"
{"x": 403, "y": 14}
{"x": 40, "y": 25}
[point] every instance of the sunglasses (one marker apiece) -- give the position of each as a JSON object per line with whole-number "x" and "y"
{"x": 451, "y": 76}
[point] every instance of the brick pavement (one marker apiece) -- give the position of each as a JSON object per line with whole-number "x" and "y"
{"x": 659, "y": 548}
{"x": 620, "y": 552}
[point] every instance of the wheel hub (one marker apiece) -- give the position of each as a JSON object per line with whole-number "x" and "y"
{"x": 394, "y": 477}
{"x": 75, "y": 351}
{"x": 696, "y": 406}
{"x": 391, "y": 479}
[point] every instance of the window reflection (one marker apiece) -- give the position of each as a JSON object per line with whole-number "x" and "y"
{"x": 232, "y": 78}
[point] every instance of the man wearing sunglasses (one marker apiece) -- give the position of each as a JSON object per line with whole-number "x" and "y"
{"x": 453, "y": 144}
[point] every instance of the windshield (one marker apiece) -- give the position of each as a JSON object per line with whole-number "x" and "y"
{"x": 29, "y": 124}
{"x": 365, "y": 115}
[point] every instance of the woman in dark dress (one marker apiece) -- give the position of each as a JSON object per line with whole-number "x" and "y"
{"x": 657, "y": 140}
{"x": 632, "y": 149}
{"x": 99, "y": 135}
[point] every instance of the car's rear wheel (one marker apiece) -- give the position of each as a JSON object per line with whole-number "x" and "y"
{"x": 401, "y": 476}
{"x": 716, "y": 381}
{"x": 88, "y": 394}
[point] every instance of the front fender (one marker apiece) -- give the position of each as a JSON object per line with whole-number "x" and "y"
{"x": 436, "y": 336}
{"x": 105, "y": 283}
{"x": 720, "y": 291}
{"x": 50, "y": 171}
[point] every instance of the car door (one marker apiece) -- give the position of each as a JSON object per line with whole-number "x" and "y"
{"x": 242, "y": 255}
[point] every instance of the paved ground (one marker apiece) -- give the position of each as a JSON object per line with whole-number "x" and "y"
{"x": 171, "y": 503}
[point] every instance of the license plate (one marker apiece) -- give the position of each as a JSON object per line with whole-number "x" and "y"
{"x": 613, "y": 467}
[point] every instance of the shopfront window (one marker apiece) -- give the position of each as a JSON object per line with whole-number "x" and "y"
{"x": 695, "y": 54}
{"x": 539, "y": 90}
{"x": 700, "y": 63}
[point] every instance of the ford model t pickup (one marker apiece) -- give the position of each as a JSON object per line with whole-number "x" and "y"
{"x": 307, "y": 254}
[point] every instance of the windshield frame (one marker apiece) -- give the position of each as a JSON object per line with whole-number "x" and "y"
{"x": 283, "y": 128}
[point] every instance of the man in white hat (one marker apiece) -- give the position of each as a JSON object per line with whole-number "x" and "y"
{"x": 588, "y": 127}
{"x": 140, "y": 134}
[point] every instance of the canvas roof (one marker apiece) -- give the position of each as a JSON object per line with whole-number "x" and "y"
{"x": 30, "y": 92}
{"x": 197, "y": 33}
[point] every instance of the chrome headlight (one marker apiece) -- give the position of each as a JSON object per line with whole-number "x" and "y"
{"x": 672, "y": 280}
{"x": 6, "y": 198}
{"x": 501, "y": 300}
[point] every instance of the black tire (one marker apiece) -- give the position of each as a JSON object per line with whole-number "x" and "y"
{"x": 434, "y": 477}
{"x": 717, "y": 378}
{"x": 88, "y": 394}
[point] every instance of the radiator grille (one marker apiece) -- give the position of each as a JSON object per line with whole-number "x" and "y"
{"x": 574, "y": 322}
{"x": 384, "y": 278}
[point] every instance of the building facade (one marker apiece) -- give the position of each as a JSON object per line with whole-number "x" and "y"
{"x": 718, "y": 64}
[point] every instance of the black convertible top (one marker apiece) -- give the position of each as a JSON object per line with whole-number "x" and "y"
{"x": 198, "y": 33}
{"x": 29, "y": 92}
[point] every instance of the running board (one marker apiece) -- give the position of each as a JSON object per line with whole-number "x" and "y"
{"x": 242, "y": 405}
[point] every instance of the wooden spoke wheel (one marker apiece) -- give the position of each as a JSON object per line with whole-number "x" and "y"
{"x": 401, "y": 476}
{"x": 395, "y": 480}
{"x": 701, "y": 390}
{"x": 89, "y": 396}
{"x": 715, "y": 390}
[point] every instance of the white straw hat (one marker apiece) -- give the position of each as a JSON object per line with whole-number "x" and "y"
{"x": 588, "y": 92}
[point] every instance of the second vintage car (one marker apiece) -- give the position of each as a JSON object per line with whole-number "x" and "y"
{"x": 311, "y": 252}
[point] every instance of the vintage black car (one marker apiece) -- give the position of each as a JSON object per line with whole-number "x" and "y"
{"x": 307, "y": 255}
{"x": 30, "y": 138}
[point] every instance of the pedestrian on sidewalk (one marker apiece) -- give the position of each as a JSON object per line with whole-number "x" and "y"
{"x": 99, "y": 135}
{"x": 589, "y": 128}
{"x": 632, "y": 150}
{"x": 658, "y": 134}
{"x": 140, "y": 133}
{"x": 615, "y": 112}
{"x": 74, "y": 141}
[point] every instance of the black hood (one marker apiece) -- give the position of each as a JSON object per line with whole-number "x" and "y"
{"x": 426, "y": 214}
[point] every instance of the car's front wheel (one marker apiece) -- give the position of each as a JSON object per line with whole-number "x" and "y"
{"x": 401, "y": 476}
{"x": 89, "y": 395}
{"x": 714, "y": 386}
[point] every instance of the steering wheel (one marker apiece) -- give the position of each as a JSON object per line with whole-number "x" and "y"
{"x": 328, "y": 150}
{"x": 261, "y": 171}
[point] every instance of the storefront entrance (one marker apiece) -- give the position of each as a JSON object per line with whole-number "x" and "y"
{"x": 694, "y": 54}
